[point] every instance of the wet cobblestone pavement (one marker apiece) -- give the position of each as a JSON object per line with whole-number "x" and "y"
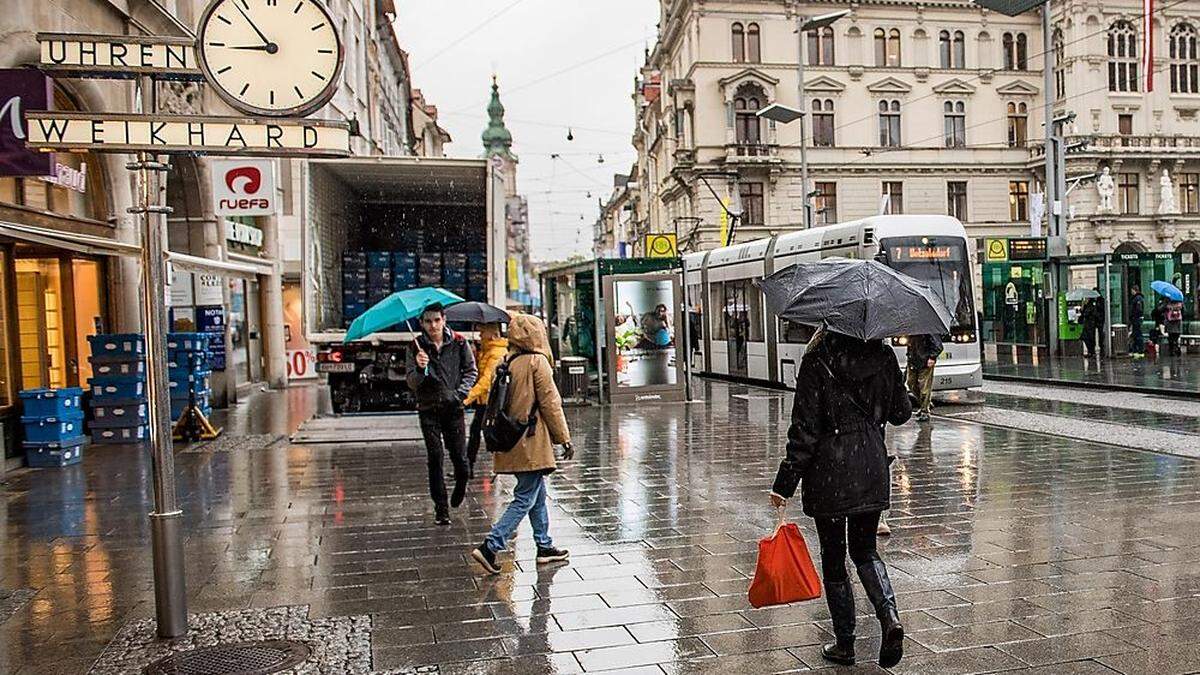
{"x": 1012, "y": 551}
{"x": 1180, "y": 374}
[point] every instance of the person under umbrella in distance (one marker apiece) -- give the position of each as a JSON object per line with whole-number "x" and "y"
{"x": 440, "y": 369}
{"x": 492, "y": 348}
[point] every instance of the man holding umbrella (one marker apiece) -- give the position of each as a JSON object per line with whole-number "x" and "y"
{"x": 441, "y": 370}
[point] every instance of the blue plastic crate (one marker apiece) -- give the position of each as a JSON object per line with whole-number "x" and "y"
{"x": 477, "y": 293}
{"x": 353, "y": 309}
{"x": 379, "y": 259}
{"x": 106, "y": 368}
{"x": 110, "y": 390}
{"x": 53, "y": 455}
{"x": 189, "y": 361}
{"x": 51, "y": 402}
{"x": 111, "y": 435}
{"x": 117, "y": 347}
{"x": 187, "y": 342}
{"x": 351, "y": 277}
{"x": 52, "y": 429}
{"x": 187, "y": 376}
{"x": 180, "y": 389}
{"x": 133, "y": 415}
{"x": 354, "y": 294}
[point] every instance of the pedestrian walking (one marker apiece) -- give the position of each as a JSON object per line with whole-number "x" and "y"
{"x": 440, "y": 369}
{"x": 532, "y": 396}
{"x": 492, "y": 349}
{"x": 1173, "y": 324}
{"x": 923, "y": 352}
{"x": 1092, "y": 318}
{"x": 847, "y": 389}
{"x": 1137, "y": 313}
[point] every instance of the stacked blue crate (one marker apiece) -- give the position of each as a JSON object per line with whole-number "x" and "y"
{"x": 404, "y": 271}
{"x": 354, "y": 285}
{"x": 118, "y": 384}
{"x": 53, "y": 421}
{"x": 189, "y": 370}
{"x": 429, "y": 269}
{"x": 379, "y": 276}
{"x": 454, "y": 273}
{"x": 477, "y": 277}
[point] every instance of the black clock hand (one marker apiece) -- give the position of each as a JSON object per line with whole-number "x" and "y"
{"x": 254, "y": 48}
{"x": 266, "y": 43}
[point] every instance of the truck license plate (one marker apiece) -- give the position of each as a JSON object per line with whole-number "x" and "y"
{"x": 335, "y": 367}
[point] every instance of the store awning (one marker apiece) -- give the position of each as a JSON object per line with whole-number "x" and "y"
{"x": 72, "y": 241}
{"x": 237, "y": 266}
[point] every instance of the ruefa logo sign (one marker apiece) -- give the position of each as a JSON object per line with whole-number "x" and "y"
{"x": 243, "y": 187}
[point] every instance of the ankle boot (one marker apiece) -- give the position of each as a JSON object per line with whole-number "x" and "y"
{"x": 840, "y": 597}
{"x": 878, "y": 586}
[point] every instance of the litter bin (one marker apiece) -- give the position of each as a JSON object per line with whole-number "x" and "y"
{"x": 1120, "y": 339}
{"x": 573, "y": 378}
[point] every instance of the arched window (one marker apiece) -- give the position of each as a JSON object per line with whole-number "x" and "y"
{"x": 1018, "y": 124}
{"x": 822, "y": 116}
{"x": 889, "y": 124}
{"x": 944, "y": 49}
{"x": 952, "y": 48}
{"x": 1060, "y": 74}
{"x": 887, "y": 47}
{"x": 1010, "y": 52}
{"x": 954, "y": 117}
{"x": 1184, "y": 60}
{"x": 960, "y": 49}
{"x": 753, "y": 44}
{"x": 738, "y": 34}
{"x": 820, "y": 46}
{"x": 1022, "y": 52}
{"x": 748, "y": 100}
{"x": 1122, "y": 57}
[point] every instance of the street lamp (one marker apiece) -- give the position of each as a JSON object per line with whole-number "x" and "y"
{"x": 784, "y": 114}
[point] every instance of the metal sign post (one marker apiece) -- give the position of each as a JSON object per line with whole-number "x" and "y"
{"x": 166, "y": 536}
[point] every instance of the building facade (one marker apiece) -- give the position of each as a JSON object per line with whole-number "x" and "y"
{"x": 919, "y": 108}
{"x": 497, "y": 147}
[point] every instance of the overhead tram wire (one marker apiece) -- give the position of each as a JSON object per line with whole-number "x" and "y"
{"x": 455, "y": 42}
{"x": 979, "y": 76}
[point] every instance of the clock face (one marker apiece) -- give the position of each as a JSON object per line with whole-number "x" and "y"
{"x": 270, "y": 57}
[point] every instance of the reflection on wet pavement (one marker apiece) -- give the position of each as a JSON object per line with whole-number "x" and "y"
{"x": 1010, "y": 550}
{"x": 1168, "y": 373}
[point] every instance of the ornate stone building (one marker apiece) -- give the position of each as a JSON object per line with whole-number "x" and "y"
{"x": 497, "y": 146}
{"x": 936, "y": 105}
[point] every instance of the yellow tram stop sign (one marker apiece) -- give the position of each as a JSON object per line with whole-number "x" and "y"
{"x": 661, "y": 246}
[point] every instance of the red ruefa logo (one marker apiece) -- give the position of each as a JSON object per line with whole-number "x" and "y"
{"x": 248, "y": 178}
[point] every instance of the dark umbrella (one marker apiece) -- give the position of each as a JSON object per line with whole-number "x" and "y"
{"x": 476, "y": 312}
{"x": 861, "y": 298}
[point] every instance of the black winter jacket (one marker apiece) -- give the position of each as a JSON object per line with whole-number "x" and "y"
{"x": 835, "y": 452}
{"x": 921, "y": 348}
{"x": 452, "y": 371}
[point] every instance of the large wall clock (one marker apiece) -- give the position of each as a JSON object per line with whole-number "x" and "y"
{"x": 270, "y": 57}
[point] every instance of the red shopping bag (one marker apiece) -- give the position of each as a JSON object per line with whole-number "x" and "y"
{"x": 785, "y": 571}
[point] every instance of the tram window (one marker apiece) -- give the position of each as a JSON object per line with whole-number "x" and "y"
{"x": 795, "y": 333}
{"x": 716, "y": 295}
{"x": 695, "y": 313}
{"x": 755, "y": 299}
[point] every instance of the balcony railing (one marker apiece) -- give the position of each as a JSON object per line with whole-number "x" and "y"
{"x": 751, "y": 152}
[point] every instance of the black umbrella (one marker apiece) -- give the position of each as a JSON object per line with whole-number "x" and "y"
{"x": 861, "y": 298}
{"x": 476, "y": 312}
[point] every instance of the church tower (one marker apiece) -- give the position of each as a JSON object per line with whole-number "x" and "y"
{"x": 497, "y": 147}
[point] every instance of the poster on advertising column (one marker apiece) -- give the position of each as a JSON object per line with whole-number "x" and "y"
{"x": 211, "y": 319}
{"x": 22, "y": 90}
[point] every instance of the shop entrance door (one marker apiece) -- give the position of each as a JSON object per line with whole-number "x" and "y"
{"x": 254, "y": 332}
{"x": 40, "y": 323}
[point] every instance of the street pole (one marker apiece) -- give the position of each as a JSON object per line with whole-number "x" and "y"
{"x": 802, "y": 107}
{"x": 166, "y": 535}
{"x": 1050, "y": 184}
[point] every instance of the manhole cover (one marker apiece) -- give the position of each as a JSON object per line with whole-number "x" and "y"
{"x": 246, "y": 658}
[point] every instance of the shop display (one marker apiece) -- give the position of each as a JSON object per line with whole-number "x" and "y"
{"x": 53, "y": 425}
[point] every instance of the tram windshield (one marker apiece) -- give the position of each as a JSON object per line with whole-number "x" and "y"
{"x": 942, "y": 263}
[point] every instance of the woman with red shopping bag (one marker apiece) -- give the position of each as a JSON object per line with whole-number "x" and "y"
{"x": 847, "y": 389}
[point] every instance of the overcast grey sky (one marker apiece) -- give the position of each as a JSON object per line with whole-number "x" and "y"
{"x": 560, "y": 63}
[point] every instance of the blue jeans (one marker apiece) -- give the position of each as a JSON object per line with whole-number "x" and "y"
{"x": 529, "y": 499}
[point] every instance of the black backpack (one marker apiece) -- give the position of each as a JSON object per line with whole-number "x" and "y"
{"x": 501, "y": 431}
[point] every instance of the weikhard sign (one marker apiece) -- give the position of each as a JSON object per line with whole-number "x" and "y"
{"x": 52, "y": 130}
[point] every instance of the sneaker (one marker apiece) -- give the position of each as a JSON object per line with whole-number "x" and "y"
{"x": 884, "y": 530}
{"x": 551, "y": 554}
{"x": 442, "y": 517}
{"x": 486, "y": 559}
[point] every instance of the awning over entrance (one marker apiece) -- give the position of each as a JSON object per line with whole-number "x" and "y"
{"x": 72, "y": 241}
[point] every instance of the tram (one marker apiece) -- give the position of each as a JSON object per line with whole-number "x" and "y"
{"x": 734, "y": 337}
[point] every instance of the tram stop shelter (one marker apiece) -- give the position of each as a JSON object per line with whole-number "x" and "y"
{"x": 1016, "y": 275}
{"x": 579, "y": 317}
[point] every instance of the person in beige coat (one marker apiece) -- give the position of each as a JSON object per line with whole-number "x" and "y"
{"x": 531, "y": 392}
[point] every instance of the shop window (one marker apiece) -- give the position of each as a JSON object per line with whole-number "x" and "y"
{"x": 40, "y": 324}
{"x": 87, "y": 282}
{"x": 1127, "y": 193}
{"x": 1018, "y": 201}
{"x": 6, "y": 364}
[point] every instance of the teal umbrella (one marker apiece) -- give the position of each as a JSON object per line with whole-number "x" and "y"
{"x": 397, "y": 308}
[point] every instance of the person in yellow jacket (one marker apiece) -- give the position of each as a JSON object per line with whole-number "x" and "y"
{"x": 492, "y": 350}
